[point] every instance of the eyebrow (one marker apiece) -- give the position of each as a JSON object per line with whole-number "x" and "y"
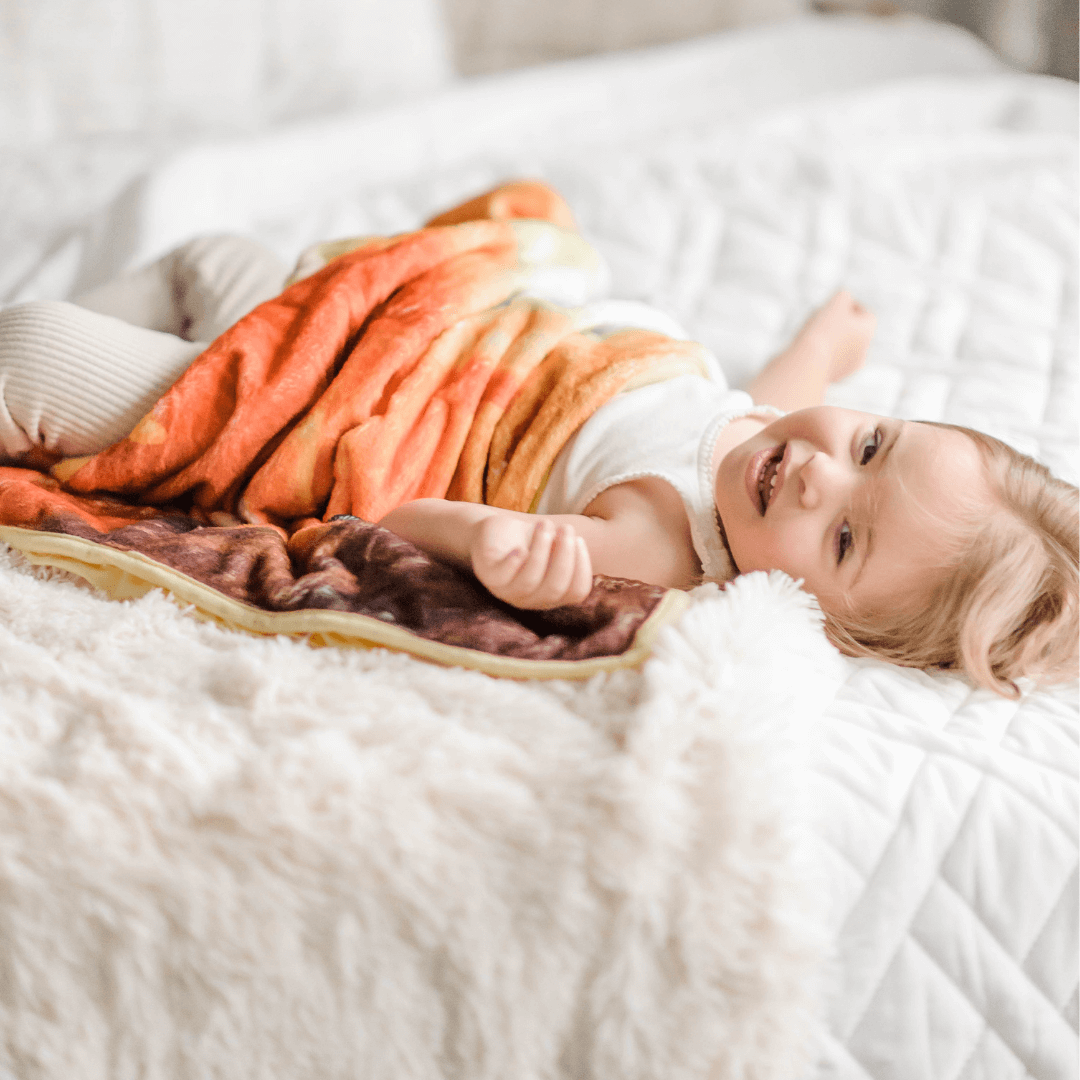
{"x": 886, "y": 450}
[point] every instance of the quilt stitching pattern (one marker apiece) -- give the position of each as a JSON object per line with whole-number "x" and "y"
{"x": 966, "y": 1063}
{"x": 931, "y": 879}
{"x": 965, "y": 992}
{"x": 1068, "y": 892}
{"x": 1017, "y": 974}
{"x": 984, "y": 1024}
{"x": 1020, "y": 960}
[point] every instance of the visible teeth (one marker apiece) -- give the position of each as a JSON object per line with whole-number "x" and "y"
{"x": 766, "y": 489}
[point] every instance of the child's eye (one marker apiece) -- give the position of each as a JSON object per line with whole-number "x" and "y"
{"x": 870, "y": 447}
{"x": 843, "y": 542}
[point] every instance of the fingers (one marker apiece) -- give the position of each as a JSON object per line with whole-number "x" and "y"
{"x": 554, "y": 569}
{"x": 569, "y": 575}
{"x": 551, "y": 574}
{"x": 530, "y": 579}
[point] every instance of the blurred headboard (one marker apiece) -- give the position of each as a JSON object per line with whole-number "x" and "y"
{"x": 75, "y": 67}
{"x": 491, "y": 35}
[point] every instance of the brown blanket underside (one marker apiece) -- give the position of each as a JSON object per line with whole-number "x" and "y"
{"x": 349, "y": 565}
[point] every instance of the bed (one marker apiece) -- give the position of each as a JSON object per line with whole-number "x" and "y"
{"x": 223, "y": 855}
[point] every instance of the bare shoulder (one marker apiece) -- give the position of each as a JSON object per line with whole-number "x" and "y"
{"x": 646, "y": 534}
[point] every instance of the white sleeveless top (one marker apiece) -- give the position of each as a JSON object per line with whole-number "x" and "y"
{"x": 667, "y": 430}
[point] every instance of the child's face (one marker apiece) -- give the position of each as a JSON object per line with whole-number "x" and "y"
{"x": 854, "y": 504}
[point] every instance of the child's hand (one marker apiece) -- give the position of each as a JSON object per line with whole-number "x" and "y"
{"x": 842, "y": 328}
{"x": 531, "y": 563}
{"x": 830, "y": 346}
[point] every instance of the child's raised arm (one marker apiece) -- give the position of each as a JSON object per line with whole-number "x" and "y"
{"x": 831, "y": 345}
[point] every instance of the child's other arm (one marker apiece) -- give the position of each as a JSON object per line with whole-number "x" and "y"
{"x": 830, "y": 346}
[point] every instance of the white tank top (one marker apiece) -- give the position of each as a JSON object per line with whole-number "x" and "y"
{"x": 667, "y": 430}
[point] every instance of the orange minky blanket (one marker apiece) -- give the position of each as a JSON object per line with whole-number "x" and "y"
{"x": 405, "y": 368}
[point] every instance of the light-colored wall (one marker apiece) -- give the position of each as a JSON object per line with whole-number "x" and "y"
{"x": 86, "y": 67}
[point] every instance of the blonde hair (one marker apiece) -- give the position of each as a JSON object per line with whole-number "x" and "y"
{"x": 1005, "y": 604}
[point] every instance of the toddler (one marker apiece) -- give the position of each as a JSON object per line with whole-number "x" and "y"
{"x": 925, "y": 544}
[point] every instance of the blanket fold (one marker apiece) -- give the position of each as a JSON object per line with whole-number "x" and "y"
{"x": 406, "y": 367}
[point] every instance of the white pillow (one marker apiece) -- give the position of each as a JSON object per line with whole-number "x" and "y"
{"x": 491, "y": 35}
{"x": 74, "y": 67}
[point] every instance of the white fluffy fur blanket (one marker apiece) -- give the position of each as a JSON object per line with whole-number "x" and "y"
{"x": 227, "y": 857}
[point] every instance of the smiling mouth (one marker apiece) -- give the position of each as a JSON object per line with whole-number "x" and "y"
{"x": 766, "y": 470}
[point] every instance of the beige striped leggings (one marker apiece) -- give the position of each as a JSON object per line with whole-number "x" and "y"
{"x": 75, "y": 377}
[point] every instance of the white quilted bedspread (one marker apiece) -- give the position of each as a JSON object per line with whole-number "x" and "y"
{"x": 942, "y": 191}
{"x": 948, "y": 827}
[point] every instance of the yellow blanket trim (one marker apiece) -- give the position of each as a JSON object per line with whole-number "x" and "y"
{"x": 126, "y": 575}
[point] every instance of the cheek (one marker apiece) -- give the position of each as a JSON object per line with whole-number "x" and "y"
{"x": 754, "y": 547}
{"x": 780, "y": 546}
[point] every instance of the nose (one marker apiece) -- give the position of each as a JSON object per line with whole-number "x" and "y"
{"x": 821, "y": 481}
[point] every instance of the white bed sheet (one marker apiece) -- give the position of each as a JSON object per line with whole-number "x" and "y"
{"x": 736, "y": 182}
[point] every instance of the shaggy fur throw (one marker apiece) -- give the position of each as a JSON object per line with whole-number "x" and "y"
{"x": 229, "y": 857}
